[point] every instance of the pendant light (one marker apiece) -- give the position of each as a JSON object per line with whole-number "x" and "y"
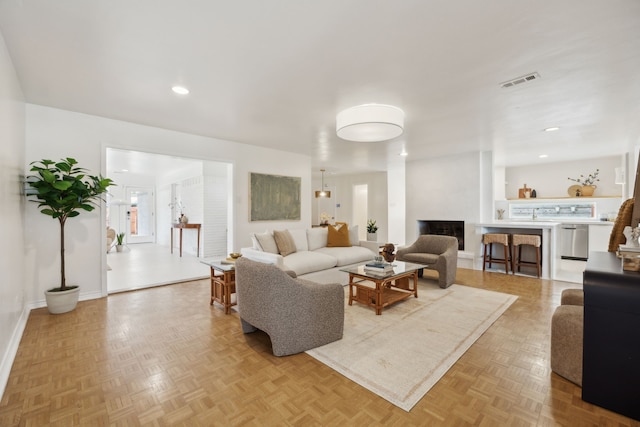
{"x": 323, "y": 192}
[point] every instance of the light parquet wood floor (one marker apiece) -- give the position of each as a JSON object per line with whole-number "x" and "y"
{"x": 164, "y": 356}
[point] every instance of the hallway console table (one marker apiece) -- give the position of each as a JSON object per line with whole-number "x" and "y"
{"x": 180, "y": 227}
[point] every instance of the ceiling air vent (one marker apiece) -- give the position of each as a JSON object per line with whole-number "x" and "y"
{"x": 520, "y": 80}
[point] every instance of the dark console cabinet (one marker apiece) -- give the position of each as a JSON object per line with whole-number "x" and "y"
{"x": 611, "y": 352}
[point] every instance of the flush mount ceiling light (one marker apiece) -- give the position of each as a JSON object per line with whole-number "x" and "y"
{"x": 180, "y": 90}
{"x": 370, "y": 123}
{"x": 323, "y": 192}
{"x": 551, "y": 129}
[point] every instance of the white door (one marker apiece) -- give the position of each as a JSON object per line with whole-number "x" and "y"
{"x": 360, "y": 211}
{"x": 140, "y": 215}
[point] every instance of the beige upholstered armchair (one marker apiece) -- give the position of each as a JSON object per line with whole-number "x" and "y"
{"x": 111, "y": 238}
{"x": 297, "y": 314}
{"x": 439, "y": 252}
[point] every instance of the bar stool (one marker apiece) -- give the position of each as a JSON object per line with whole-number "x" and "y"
{"x": 525, "y": 239}
{"x": 489, "y": 239}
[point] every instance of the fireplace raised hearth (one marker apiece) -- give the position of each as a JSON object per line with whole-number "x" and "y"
{"x": 443, "y": 228}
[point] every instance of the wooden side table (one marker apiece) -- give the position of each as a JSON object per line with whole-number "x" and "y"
{"x": 181, "y": 226}
{"x": 223, "y": 284}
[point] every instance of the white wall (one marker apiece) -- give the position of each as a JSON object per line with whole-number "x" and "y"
{"x": 445, "y": 188}
{"x": 54, "y": 133}
{"x": 342, "y": 195}
{"x": 551, "y": 179}
{"x": 396, "y": 192}
{"x": 13, "y": 309}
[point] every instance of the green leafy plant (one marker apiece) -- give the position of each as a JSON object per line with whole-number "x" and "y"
{"x": 64, "y": 190}
{"x": 371, "y": 226}
{"x": 589, "y": 180}
{"x": 119, "y": 239}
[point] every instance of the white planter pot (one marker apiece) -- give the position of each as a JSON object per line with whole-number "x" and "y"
{"x": 119, "y": 248}
{"x": 62, "y": 302}
{"x": 372, "y": 237}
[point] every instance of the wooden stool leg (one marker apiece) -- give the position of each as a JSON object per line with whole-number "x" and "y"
{"x": 538, "y": 261}
{"x": 490, "y": 255}
{"x": 484, "y": 258}
{"x": 506, "y": 259}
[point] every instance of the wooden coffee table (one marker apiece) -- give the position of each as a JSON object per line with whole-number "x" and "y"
{"x": 387, "y": 289}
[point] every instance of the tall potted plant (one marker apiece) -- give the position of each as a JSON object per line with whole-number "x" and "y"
{"x": 63, "y": 190}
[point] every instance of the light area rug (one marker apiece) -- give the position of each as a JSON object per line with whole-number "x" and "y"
{"x": 402, "y": 353}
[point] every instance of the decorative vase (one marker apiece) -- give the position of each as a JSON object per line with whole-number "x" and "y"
{"x": 183, "y": 219}
{"x": 59, "y": 302}
{"x": 119, "y": 248}
{"x": 372, "y": 237}
{"x": 587, "y": 190}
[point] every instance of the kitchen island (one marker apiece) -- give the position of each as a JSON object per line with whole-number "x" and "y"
{"x": 547, "y": 230}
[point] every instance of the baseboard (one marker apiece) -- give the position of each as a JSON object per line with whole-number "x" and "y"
{"x": 12, "y": 349}
{"x": 465, "y": 259}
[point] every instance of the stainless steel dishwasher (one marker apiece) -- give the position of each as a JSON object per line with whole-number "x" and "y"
{"x": 574, "y": 241}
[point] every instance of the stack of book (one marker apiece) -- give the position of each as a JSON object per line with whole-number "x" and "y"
{"x": 630, "y": 257}
{"x": 378, "y": 267}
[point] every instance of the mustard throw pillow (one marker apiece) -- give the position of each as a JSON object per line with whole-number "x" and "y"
{"x": 284, "y": 241}
{"x": 338, "y": 236}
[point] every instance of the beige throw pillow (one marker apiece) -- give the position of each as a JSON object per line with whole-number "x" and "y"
{"x": 284, "y": 241}
{"x": 267, "y": 242}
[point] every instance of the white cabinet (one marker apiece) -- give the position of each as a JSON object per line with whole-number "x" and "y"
{"x": 599, "y": 236}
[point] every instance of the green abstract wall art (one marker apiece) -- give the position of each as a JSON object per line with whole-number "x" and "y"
{"x": 274, "y": 197}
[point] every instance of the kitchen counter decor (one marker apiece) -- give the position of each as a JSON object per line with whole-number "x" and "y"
{"x": 588, "y": 183}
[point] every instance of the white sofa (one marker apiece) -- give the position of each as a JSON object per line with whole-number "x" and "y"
{"x": 311, "y": 252}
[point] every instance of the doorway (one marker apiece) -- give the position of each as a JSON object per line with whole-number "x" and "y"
{"x": 140, "y": 215}
{"x": 140, "y": 206}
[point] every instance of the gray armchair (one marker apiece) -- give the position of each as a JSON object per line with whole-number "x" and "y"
{"x": 297, "y": 314}
{"x": 439, "y": 252}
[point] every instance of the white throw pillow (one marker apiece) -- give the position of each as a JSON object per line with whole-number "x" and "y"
{"x": 353, "y": 235}
{"x": 255, "y": 243}
{"x": 317, "y": 237}
{"x": 267, "y": 242}
{"x": 300, "y": 239}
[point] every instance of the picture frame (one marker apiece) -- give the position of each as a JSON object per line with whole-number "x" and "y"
{"x": 274, "y": 197}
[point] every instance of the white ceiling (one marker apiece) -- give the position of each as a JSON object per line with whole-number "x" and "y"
{"x": 275, "y": 73}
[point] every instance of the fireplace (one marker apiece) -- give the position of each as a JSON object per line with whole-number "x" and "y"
{"x": 443, "y": 228}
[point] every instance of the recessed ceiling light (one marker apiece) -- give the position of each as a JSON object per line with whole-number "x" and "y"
{"x": 551, "y": 129}
{"x": 543, "y": 156}
{"x": 180, "y": 90}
